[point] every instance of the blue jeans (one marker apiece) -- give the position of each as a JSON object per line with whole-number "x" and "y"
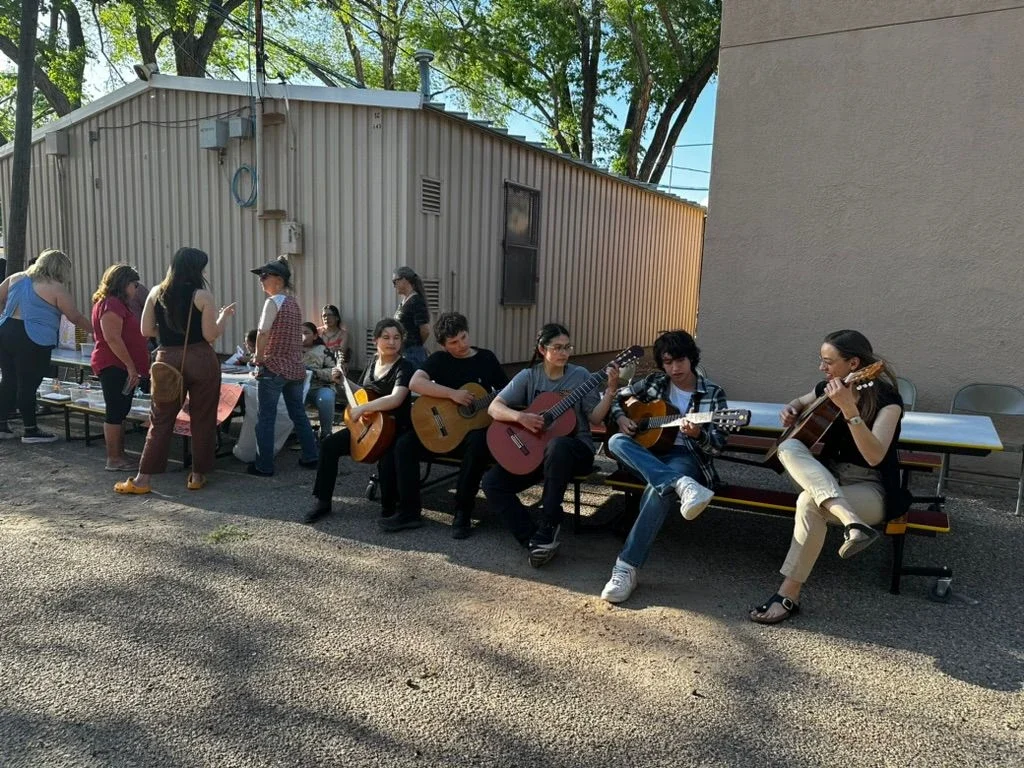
{"x": 659, "y": 499}
{"x": 417, "y": 354}
{"x": 269, "y": 390}
{"x": 324, "y": 399}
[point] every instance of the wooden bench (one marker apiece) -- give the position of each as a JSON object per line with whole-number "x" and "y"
{"x": 783, "y": 504}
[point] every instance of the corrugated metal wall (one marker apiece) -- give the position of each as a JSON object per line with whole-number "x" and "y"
{"x": 616, "y": 263}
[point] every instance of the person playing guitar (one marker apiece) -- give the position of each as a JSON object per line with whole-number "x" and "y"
{"x": 442, "y": 377}
{"x": 387, "y": 377}
{"x": 685, "y": 471}
{"x": 564, "y": 457}
{"x": 856, "y": 482}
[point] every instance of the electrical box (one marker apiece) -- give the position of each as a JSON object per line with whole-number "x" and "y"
{"x": 213, "y": 134}
{"x": 291, "y": 238}
{"x": 57, "y": 143}
{"x": 240, "y": 127}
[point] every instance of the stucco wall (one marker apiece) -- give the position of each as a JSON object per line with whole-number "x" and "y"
{"x": 866, "y": 178}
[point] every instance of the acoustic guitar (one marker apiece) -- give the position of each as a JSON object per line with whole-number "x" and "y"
{"x": 658, "y": 422}
{"x": 370, "y": 435}
{"x": 519, "y": 450}
{"x": 814, "y": 420}
{"x": 441, "y": 424}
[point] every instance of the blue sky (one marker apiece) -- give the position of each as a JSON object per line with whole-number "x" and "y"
{"x": 699, "y": 130}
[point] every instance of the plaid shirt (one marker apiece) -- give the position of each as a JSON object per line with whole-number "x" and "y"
{"x": 707, "y": 396}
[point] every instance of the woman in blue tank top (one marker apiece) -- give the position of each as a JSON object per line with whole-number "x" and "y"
{"x": 31, "y": 303}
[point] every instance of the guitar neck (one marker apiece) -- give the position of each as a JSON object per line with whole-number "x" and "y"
{"x": 481, "y": 403}
{"x": 576, "y": 396}
{"x": 659, "y": 422}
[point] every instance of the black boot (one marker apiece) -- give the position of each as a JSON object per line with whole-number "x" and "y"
{"x": 318, "y": 513}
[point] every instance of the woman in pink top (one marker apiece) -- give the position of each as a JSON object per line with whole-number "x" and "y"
{"x": 120, "y": 358}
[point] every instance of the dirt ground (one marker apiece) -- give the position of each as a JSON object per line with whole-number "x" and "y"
{"x": 212, "y": 628}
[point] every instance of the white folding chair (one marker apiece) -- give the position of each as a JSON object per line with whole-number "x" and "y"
{"x": 993, "y": 400}
{"x": 908, "y": 392}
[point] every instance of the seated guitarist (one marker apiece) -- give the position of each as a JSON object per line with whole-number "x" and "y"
{"x": 387, "y": 376}
{"x": 685, "y": 472}
{"x": 441, "y": 376}
{"x": 564, "y": 457}
{"x": 857, "y": 481}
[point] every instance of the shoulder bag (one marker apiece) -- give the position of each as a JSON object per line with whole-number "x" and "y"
{"x": 167, "y": 384}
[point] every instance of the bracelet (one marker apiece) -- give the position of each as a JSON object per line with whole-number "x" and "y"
{"x": 855, "y": 420}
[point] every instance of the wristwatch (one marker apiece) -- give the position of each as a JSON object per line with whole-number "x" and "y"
{"x": 855, "y": 420}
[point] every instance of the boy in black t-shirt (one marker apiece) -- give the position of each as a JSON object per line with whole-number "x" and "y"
{"x": 442, "y": 376}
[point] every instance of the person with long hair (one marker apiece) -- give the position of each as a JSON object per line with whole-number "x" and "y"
{"x": 279, "y": 368}
{"x": 120, "y": 357}
{"x": 181, "y": 313}
{"x": 412, "y": 313}
{"x": 31, "y": 304}
{"x": 319, "y": 360}
{"x": 683, "y": 476}
{"x": 564, "y": 457}
{"x": 855, "y": 482}
{"x": 334, "y": 333}
{"x": 387, "y": 377}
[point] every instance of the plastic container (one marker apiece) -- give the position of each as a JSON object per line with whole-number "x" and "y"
{"x": 86, "y": 350}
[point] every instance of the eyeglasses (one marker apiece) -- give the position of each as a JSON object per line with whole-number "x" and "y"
{"x": 561, "y": 348}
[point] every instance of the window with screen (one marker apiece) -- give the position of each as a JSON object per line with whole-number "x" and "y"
{"x": 522, "y": 226}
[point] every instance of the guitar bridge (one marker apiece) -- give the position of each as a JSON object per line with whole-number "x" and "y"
{"x": 517, "y": 442}
{"x": 438, "y": 421}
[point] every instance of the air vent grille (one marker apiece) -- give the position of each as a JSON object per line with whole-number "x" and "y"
{"x": 430, "y": 196}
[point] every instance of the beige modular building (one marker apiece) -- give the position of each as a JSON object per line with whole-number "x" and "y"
{"x": 866, "y": 175}
{"x": 355, "y": 183}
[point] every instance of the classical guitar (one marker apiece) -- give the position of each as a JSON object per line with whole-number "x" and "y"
{"x": 658, "y": 422}
{"x": 519, "y": 450}
{"x": 441, "y": 424}
{"x": 370, "y": 435}
{"x": 814, "y": 420}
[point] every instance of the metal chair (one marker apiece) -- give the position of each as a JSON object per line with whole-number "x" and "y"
{"x": 908, "y": 392}
{"x": 989, "y": 400}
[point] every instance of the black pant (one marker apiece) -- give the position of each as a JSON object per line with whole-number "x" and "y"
{"x": 332, "y": 449}
{"x": 112, "y": 380}
{"x": 564, "y": 458}
{"x": 473, "y": 452}
{"x": 23, "y": 364}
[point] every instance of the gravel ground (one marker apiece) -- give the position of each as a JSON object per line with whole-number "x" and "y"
{"x": 210, "y": 628}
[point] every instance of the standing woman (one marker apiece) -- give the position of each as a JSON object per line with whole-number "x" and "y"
{"x": 413, "y": 314}
{"x": 856, "y": 482}
{"x": 319, "y": 360}
{"x": 120, "y": 358}
{"x": 386, "y": 377}
{"x": 182, "y": 315}
{"x": 31, "y": 303}
{"x": 564, "y": 457}
{"x": 279, "y": 368}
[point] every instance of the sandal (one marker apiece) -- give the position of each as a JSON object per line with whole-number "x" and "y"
{"x": 851, "y": 547}
{"x": 193, "y": 484}
{"x": 791, "y": 607}
{"x": 129, "y": 486}
{"x": 121, "y": 466}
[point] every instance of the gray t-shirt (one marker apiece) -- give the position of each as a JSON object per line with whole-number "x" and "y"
{"x": 526, "y": 385}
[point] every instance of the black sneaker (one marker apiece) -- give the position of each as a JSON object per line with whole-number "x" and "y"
{"x": 544, "y": 545}
{"x": 6, "y": 434}
{"x": 316, "y": 514}
{"x": 400, "y": 522}
{"x": 251, "y": 469}
{"x": 462, "y": 526}
{"x": 38, "y": 436}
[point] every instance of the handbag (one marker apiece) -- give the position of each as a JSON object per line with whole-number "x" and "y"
{"x": 167, "y": 384}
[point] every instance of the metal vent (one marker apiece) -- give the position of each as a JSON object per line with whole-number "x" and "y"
{"x": 432, "y": 291}
{"x": 430, "y": 196}
{"x": 371, "y": 348}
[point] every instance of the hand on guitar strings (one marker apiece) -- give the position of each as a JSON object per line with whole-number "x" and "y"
{"x": 461, "y": 397}
{"x": 626, "y": 425}
{"x": 690, "y": 430}
{"x": 533, "y": 422}
{"x": 612, "y": 371}
{"x": 359, "y": 412}
{"x": 841, "y": 395}
{"x": 788, "y": 415}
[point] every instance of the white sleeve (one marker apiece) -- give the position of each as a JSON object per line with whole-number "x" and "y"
{"x": 268, "y": 316}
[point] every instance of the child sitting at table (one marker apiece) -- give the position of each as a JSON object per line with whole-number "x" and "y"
{"x": 243, "y": 355}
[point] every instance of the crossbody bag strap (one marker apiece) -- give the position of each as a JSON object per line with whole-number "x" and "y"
{"x": 184, "y": 351}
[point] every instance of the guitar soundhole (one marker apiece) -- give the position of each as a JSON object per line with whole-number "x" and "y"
{"x": 466, "y": 411}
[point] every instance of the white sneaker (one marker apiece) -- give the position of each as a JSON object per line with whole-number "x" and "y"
{"x": 622, "y": 583}
{"x": 693, "y": 497}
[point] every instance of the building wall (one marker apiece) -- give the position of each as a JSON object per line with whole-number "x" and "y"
{"x": 616, "y": 262}
{"x": 866, "y": 175}
{"x": 136, "y": 186}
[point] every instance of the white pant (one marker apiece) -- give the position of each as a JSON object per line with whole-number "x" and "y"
{"x": 859, "y": 488}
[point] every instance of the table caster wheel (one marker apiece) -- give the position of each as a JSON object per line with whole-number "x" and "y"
{"x": 371, "y": 490}
{"x": 941, "y": 591}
